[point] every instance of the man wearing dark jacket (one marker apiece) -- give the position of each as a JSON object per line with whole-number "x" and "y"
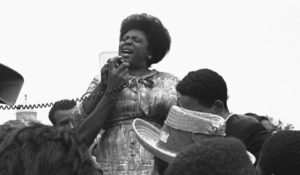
{"x": 204, "y": 90}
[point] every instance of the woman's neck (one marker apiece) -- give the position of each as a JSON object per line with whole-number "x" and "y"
{"x": 139, "y": 72}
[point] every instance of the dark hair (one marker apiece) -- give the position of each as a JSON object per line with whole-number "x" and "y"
{"x": 8, "y": 127}
{"x": 205, "y": 85}
{"x": 157, "y": 35}
{"x": 60, "y": 105}
{"x": 41, "y": 149}
{"x": 215, "y": 156}
{"x": 280, "y": 154}
{"x": 252, "y": 133}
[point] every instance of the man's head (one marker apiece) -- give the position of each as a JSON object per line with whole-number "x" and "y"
{"x": 280, "y": 154}
{"x": 10, "y": 126}
{"x": 215, "y": 156}
{"x": 47, "y": 150}
{"x": 264, "y": 120}
{"x": 61, "y": 113}
{"x": 252, "y": 133}
{"x": 203, "y": 90}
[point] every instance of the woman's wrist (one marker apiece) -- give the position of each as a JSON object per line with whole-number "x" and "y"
{"x": 116, "y": 90}
{"x": 90, "y": 102}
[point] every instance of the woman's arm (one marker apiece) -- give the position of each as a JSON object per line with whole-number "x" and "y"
{"x": 92, "y": 96}
{"x": 90, "y": 102}
{"x": 91, "y": 126}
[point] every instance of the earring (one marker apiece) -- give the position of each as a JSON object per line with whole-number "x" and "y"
{"x": 150, "y": 57}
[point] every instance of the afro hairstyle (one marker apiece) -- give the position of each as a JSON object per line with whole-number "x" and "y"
{"x": 41, "y": 149}
{"x": 280, "y": 154}
{"x": 157, "y": 35}
{"x": 214, "y": 156}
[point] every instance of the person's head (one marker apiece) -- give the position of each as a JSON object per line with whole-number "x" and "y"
{"x": 215, "y": 156}
{"x": 252, "y": 133}
{"x": 203, "y": 90}
{"x": 47, "y": 150}
{"x": 9, "y": 126}
{"x": 280, "y": 154}
{"x": 143, "y": 40}
{"x": 264, "y": 120}
{"x": 61, "y": 113}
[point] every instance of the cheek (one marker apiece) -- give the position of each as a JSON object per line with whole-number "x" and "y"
{"x": 142, "y": 48}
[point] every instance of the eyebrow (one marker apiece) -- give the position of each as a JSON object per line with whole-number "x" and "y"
{"x": 131, "y": 36}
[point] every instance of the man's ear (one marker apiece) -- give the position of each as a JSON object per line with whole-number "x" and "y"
{"x": 218, "y": 106}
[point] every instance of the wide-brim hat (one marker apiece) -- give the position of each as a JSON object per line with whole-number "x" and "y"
{"x": 181, "y": 129}
{"x": 11, "y": 83}
{"x": 148, "y": 135}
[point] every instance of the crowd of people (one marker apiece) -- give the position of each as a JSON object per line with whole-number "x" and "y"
{"x": 135, "y": 120}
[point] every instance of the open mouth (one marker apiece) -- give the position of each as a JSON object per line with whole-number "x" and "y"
{"x": 126, "y": 52}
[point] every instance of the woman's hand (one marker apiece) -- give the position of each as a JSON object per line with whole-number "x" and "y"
{"x": 117, "y": 73}
{"x": 118, "y": 60}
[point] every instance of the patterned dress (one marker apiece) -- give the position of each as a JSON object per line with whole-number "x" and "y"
{"x": 118, "y": 151}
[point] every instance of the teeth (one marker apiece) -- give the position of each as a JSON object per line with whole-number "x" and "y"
{"x": 126, "y": 51}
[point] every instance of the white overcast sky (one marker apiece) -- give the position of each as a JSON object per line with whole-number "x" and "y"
{"x": 254, "y": 45}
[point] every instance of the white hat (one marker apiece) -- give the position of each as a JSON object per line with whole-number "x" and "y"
{"x": 181, "y": 128}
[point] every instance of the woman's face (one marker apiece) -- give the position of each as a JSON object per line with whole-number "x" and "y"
{"x": 133, "y": 47}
